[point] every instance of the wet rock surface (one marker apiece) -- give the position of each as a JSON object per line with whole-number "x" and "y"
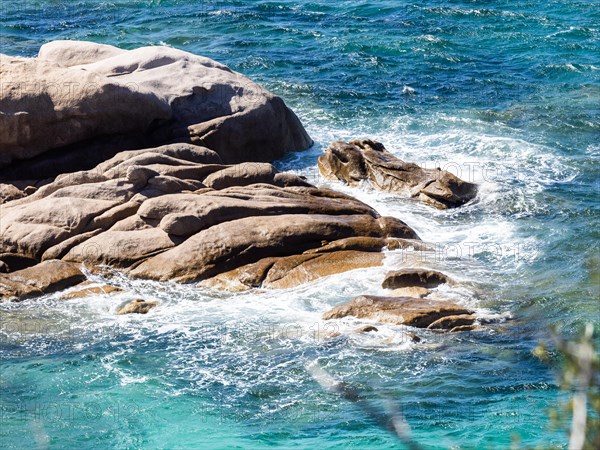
{"x": 406, "y": 278}
{"x": 290, "y": 271}
{"x": 369, "y": 160}
{"x": 420, "y": 313}
{"x": 89, "y": 289}
{"x": 137, "y": 306}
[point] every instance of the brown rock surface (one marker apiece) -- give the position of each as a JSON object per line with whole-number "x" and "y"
{"x": 74, "y": 92}
{"x": 242, "y": 174}
{"x": 405, "y": 278}
{"x": 452, "y": 322}
{"x": 414, "y": 312}
{"x": 229, "y": 245}
{"x": 137, "y": 306}
{"x": 49, "y": 276}
{"x": 132, "y": 212}
{"x": 290, "y": 271}
{"x": 88, "y": 289}
{"x": 368, "y": 160}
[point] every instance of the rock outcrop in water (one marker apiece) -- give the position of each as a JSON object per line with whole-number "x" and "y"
{"x": 409, "y": 303}
{"x": 409, "y": 278}
{"x": 80, "y": 128}
{"x": 214, "y": 213}
{"x": 176, "y": 212}
{"x": 420, "y": 313}
{"x": 87, "y": 101}
{"x": 368, "y": 160}
{"x": 137, "y": 306}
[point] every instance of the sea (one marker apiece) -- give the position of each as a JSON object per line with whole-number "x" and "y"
{"x": 502, "y": 93}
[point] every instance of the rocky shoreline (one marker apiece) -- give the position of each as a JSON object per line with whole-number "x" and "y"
{"x": 155, "y": 162}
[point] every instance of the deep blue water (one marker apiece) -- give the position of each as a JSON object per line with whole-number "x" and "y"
{"x": 506, "y": 94}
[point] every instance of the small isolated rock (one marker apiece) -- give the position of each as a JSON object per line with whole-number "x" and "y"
{"x": 369, "y": 160}
{"x": 414, "y": 312}
{"x": 137, "y": 306}
{"x": 414, "y": 277}
{"x": 366, "y": 329}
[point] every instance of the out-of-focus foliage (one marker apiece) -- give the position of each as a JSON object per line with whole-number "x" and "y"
{"x": 579, "y": 375}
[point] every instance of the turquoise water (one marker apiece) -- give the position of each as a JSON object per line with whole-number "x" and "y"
{"x": 506, "y": 94}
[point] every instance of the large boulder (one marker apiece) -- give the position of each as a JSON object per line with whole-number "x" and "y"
{"x": 368, "y": 160}
{"x": 74, "y": 92}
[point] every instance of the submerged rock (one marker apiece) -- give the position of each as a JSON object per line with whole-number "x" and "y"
{"x": 420, "y": 313}
{"x": 92, "y": 100}
{"x": 368, "y": 160}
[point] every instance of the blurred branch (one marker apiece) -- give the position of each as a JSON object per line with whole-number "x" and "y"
{"x": 580, "y": 374}
{"x": 392, "y": 422}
